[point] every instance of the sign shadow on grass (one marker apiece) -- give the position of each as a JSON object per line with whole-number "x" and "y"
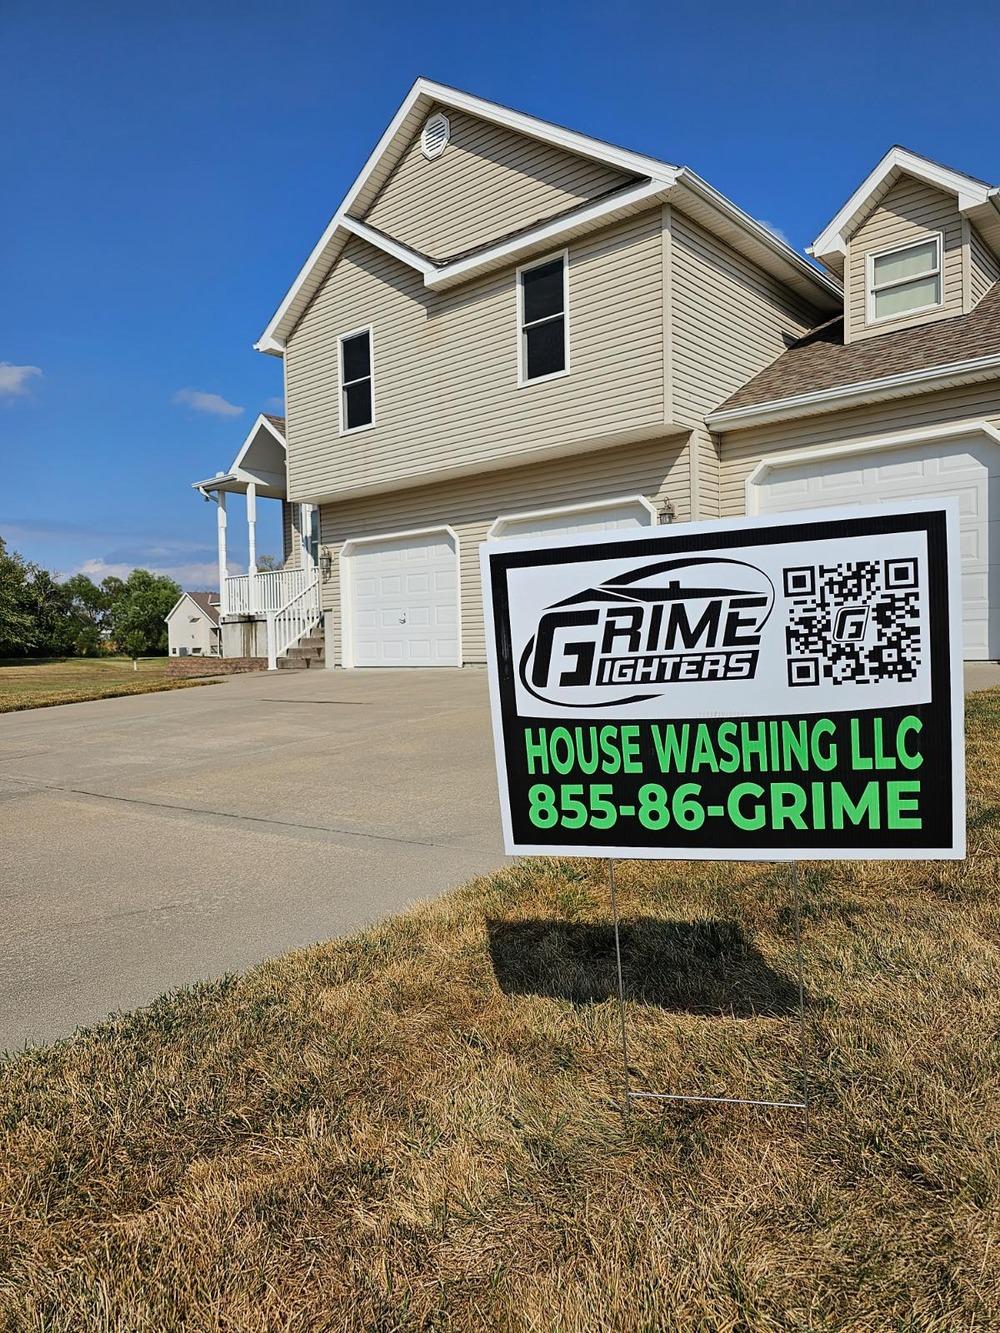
{"x": 694, "y": 967}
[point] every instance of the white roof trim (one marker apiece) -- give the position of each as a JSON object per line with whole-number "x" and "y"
{"x": 763, "y": 235}
{"x": 545, "y": 236}
{"x": 850, "y": 395}
{"x": 656, "y": 180}
{"x": 269, "y": 426}
{"x": 395, "y": 248}
{"x": 970, "y": 193}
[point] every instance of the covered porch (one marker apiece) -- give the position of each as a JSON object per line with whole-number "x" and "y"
{"x": 265, "y": 612}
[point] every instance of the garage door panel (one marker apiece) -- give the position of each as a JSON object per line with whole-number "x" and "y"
{"x": 964, "y": 469}
{"x": 407, "y": 614}
{"x": 889, "y": 473}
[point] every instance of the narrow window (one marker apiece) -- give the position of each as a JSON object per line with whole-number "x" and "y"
{"x": 543, "y": 319}
{"x": 906, "y": 280}
{"x": 356, "y": 380}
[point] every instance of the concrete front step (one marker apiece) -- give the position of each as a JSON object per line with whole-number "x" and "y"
{"x": 308, "y": 652}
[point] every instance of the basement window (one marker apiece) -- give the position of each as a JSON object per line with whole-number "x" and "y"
{"x": 904, "y": 281}
{"x": 356, "y": 401}
{"x": 542, "y": 301}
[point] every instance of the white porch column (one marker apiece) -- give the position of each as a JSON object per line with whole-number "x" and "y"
{"x": 220, "y": 513}
{"x": 252, "y": 539}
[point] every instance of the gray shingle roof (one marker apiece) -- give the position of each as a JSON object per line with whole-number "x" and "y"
{"x": 209, "y": 603}
{"x": 822, "y": 360}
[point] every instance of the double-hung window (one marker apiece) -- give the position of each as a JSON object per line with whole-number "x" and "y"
{"x": 905, "y": 280}
{"x": 542, "y": 311}
{"x": 357, "y": 406}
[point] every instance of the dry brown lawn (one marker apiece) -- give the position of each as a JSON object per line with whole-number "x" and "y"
{"x": 43, "y": 682}
{"x": 421, "y": 1127}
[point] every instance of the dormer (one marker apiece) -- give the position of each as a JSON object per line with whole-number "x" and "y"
{"x": 916, "y": 243}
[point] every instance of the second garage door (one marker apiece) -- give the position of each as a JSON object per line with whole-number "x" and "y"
{"x": 967, "y": 469}
{"x": 402, "y": 601}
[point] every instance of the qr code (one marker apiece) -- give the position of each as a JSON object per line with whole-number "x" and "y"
{"x": 858, "y": 622}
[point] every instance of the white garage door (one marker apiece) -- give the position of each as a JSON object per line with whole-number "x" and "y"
{"x": 602, "y": 516}
{"x": 403, "y": 602}
{"x": 969, "y": 469}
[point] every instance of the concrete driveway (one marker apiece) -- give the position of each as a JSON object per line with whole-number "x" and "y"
{"x": 148, "y": 842}
{"x": 151, "y": 841}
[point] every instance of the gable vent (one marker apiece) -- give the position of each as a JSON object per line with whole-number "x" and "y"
{"x": 435, "y": 135}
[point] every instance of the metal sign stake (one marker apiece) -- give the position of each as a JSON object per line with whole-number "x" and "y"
{"x": 802, "y": 1105}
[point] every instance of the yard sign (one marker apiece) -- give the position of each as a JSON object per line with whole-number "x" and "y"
{"x": 763, "y": 689}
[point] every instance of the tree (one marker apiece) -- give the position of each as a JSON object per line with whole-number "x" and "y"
{"x": 17, "y": 624}
{"x": 268, "y": 562}
{"x": 138, "y": 612}
{"x": 89, "y": 612}
{"x": 52, "y": 629}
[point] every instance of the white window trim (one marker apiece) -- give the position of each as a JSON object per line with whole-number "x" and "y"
{"x": 522, "y": 381}
{"x": 496, "y": 530}
{"x": 347, "y": 601}
{"x": 937, "y": 271}
{"x": 369, "y": 425}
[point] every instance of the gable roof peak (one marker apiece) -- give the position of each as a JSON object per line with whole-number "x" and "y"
{"x": 972, "y": 194}
{"x": 653, "y": 181}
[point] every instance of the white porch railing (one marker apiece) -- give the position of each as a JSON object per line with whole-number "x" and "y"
{"x": 269, "y": 590}
{"x": 287, "y": 625}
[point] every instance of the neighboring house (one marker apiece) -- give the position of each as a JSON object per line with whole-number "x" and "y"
{"x": 193, "y": 625}
{"x": 263, "y": 613}
{"x": 509, "y": 328}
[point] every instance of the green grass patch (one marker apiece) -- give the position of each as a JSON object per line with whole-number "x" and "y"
{"x": 44, "y": 682}
{"x": 421, "y": 1127}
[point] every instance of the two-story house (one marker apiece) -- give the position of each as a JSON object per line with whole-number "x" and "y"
{"x": 510, "y": 328}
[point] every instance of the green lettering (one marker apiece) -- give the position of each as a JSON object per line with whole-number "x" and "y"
{"x": 536, "y": 750}
{"x": 902, "y": 798}
{"x": 561, "y": 739}
{"x": 612, "y": 761}
{"x": 724, "y": 740}
{"x": 704, "y": 754}
{"x": 788, "y": 800}
{"x": 841, "y": 805}
{"x": 824, "y": 759}
{"x": 735, "y": 813}
{"x": 907, "y": 725}
{"x": 630, "y": 750}
{"x": 671, "y": 749}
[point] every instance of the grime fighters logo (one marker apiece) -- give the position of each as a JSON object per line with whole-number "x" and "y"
{"x": 657, "y": 626}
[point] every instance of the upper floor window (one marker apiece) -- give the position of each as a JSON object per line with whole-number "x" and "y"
{"x": 356, "y": 402}
{"x": 542, "y": 312}
{"x": 905, "y": 280}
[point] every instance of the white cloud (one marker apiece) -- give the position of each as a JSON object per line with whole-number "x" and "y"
{"x": 775, "y": 231}
{"x": 275, "y": 404}
{"x": 197, "y": 574}
{"x": 213, "y": 403}
{"x": 14, "y": 380}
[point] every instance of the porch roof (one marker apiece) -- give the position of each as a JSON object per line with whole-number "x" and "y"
{"x": 260, "y": 461}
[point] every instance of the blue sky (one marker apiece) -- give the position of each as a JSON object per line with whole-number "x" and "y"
{"x": 167, "y": 168}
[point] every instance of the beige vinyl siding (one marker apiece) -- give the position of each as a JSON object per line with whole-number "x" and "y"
{"x": 445, "y": 366}
{"x": 910, "y": 211}
{"x": 743, "y": 450}
{"x": 728, "y": 320}
{"x": 655, "y": 469}
{"x": 984, "y": 269}
{"x": 488, "y": 181}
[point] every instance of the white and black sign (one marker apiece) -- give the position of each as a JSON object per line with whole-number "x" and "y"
{"x": 763, "y": 688}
